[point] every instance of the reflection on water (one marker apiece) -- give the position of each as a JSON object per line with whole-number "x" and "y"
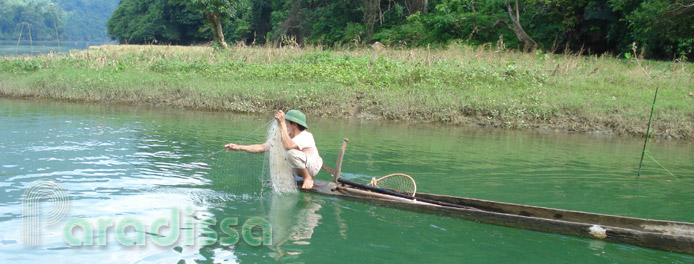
{"x": 119, "y": 162}
{"x": 293, "y": 222}
{"x": 26, "y": 48}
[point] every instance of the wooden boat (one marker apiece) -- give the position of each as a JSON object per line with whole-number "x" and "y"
{"x": 657, "y": 234}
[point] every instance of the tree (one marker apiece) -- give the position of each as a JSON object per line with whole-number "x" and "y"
{"x": 528, "y": 42}
{"x": 167, "y": 22}
{"x": 86, "y": 19}
{"x": 214, "y": 11}
{"x": 664, "y": 27}
{"x": 43, "y": 17}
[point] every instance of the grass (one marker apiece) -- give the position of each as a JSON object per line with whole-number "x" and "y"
{"x": 459, "y": 85}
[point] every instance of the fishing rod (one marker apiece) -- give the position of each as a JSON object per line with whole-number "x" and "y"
{"x": 645, "y": 143}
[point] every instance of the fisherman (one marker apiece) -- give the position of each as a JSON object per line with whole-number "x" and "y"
{"x": 299, "y": 143}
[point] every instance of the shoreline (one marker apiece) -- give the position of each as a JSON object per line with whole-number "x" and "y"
{"x": 459, "y": 85}
{"x": 540, "y": 128}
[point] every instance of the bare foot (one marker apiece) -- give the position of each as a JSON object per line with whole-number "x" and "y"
{"x": 308, "y": 183}
{"x": 308, "y": 179}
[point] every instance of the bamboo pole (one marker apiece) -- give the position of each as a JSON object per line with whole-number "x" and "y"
{"x": 57, "y": 37}
{"x": 338, "y": 164}
{"x": 31, "y": 42}
{"x": 21, "y": 30}
{"x": 409, "y": 197}
{"x": 374, "y": 194}
{"x": 648, "y": 131}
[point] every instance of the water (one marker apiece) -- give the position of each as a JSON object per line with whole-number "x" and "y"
{"x": 10, "y": 48}
{"x": 123, "y": 161}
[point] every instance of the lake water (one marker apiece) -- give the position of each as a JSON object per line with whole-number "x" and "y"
{"x": 10, "y": 48}
{"x": 124, "y": 162}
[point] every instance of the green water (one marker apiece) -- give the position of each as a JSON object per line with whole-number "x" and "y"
{"x": 10, "y": 47}
{"x": 123, "y": 161}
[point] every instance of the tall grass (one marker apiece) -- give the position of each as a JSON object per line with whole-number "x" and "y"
{"x": 459, "y": 84}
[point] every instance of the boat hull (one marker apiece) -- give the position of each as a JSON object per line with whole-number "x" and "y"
{"x": 656, "y": 234}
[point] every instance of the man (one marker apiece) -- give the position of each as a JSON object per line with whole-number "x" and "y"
{"x": 299, "y": 143}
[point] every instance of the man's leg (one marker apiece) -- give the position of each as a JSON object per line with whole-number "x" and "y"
{"x": 308, "y": 180}
{"x": 298, "y": 160}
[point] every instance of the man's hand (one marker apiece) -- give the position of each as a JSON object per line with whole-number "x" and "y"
{"x": 280, "y": 116}
{"x": 232, "y": 146}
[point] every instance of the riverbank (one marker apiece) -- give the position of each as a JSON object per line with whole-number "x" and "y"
{"x": 458, "y": 85}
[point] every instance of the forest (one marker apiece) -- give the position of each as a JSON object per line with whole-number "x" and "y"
{"x": 660, "y": 29}
{"x": 77, "y": 20}
{"x": 656, "y": 29}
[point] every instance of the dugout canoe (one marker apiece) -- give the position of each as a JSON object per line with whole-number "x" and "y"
{"x": 657, "y": 234}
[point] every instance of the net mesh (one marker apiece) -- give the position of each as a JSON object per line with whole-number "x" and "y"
{"x": 249, "y": 175}
{"x": 281, "y": 173}
{"x": 239, "y": 173}
{"x": 397, "y": 182}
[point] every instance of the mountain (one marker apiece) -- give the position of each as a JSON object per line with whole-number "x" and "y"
{"x": 76, "y": 20}
{"x": 86, "y": 19}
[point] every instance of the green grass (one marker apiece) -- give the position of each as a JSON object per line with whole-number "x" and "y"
{"x": 459, "y": 85}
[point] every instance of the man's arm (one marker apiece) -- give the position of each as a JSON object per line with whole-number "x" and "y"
{"x": 255, "y": 148}
{"x": 286, "y": 140}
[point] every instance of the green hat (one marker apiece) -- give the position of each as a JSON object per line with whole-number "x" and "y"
{"x": 296, "y": 116}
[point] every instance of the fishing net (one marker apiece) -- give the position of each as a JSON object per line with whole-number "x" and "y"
{"x": 280, "y": 171}
{"x": 397, "y": 182}
{"x": 249, "y": 174}
{"x": 239, "y": 173}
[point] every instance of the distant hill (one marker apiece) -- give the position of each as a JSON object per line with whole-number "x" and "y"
{"x": 86, "y": 19}
{"x": 78, "y": 20}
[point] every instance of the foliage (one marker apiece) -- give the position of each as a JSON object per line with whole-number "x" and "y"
{"x": 217, "y": 12}
{"x": 155, "y": 21}
{"x": 72, "y": 19}
{"x": 42, "y": 17}
{"x": 172, "y": 21}
{"x": 322, "y": 25}
{"x": 86, "y": 19}
{"x": 671, "y": 34}
{"x": 449, "y": 20}
{"x": 660, "y": 29}
{"x": 226, "y": 7}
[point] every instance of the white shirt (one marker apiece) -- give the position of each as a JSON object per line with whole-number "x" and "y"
{"x": 306, "y": 144}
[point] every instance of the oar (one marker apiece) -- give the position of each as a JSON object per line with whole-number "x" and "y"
{"x": 389, "y": 192}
